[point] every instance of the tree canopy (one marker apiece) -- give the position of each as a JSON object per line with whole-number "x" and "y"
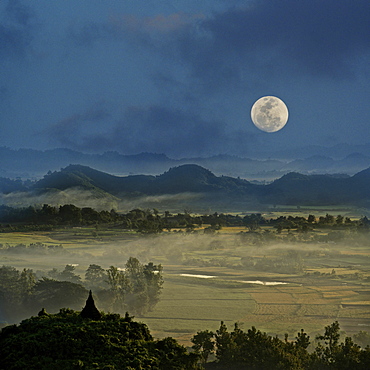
{"x": 68, "y": 341}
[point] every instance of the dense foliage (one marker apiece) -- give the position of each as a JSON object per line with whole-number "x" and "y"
{"x": 66, "y": 341}
{"x": 135, "y": 289}
{"x": 253, "y": 349}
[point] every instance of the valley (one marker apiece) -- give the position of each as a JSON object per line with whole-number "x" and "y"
{"x": 279, "y": 283}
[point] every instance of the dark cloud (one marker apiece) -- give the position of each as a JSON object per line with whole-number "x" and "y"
{"x": 322, "y": 38}
{"x": 76, "y": 131}
{"x": 155, "y": 129}
{"x": 15, "y": 30}
{"x": 88, "y": 34}
{"x": 13, "y": 42}
{"x": 182, "y": 83}
{"x": 260, "y": 40}
{"x": 166, "y": 130}
{"x": 20, "y": 13}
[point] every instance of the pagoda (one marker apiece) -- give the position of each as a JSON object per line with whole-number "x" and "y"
{"x": 90, "y": 311}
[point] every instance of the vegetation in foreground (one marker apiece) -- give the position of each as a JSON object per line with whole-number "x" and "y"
{"x": 71, "y": 340}
{"x": 256, "y": 350}
{"x": 68, "y": 341}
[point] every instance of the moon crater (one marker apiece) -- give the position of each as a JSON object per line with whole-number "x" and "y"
{"x": 269, "y": 114}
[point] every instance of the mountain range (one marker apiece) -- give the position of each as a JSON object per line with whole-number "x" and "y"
{"x": 33, "y": 164}
{"x": 203, "y": 185}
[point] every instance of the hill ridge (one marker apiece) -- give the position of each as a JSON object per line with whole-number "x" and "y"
{"x": 293, "y": 188}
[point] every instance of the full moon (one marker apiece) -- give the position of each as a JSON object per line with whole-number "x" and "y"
{"x": 269, "y": 114}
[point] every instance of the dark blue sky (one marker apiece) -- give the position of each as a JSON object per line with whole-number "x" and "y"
{"x": 180, "y": 77}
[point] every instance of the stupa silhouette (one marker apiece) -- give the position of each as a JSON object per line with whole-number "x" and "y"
{"x": 90, "y": 311}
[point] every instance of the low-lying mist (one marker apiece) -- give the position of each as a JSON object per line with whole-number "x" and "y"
{"x": 243, "y": 250}
{"x": 229, "y": 256}
{"x": 99, "y": 201}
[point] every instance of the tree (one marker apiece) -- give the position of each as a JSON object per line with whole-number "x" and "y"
{"x": 10, "y": 298}
{"x": 154, "y": 283}
{"x": 96, "y": 277}
{"x": 15, "y": 290}
{"x": 137, "y": 296}
{"x": 203, "y": 344}
{"x": 27, "y": 281}
{"x": 253, "y": 221}
{"x": 339, "y": 220}
{"x": 224, "y": 345}
{"x": 52, "y": 294}
{"x": 311, "y": 219}
{"x": 362, "y": 338}
{"x": 327, "y": 354}
{"x": 70, "y": 214}
{"x": 68, "y": 275}
{"x": 119, "y": 286}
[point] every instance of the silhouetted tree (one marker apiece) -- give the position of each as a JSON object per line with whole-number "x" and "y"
{"x": 203, "y": 345}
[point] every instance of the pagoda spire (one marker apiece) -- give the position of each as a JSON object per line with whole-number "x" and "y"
{"x": 90, "y": 311}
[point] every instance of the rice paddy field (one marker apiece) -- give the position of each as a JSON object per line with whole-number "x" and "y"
{"x": 226, "y": 277}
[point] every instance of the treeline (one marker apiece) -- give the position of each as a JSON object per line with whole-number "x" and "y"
{"x": 67, "y": 214}
{"x": 253, "y": 349}
{"x": 135, "y": 288}
{"x": 151, "y": 221}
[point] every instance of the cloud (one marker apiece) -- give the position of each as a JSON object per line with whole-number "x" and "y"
{"x": 323, "y": 37}
{"x": 154, "y": 129}
{"x": 79, "y": 197}
{"x": 130, "y": 27}
{"x": 21, "y": 14}
{"x": 163, "y": 129}
{"x": 15, "y": 30}
{"x": 88, "y": 34}
{"x": 313, "y": 37}
{"x": 76, "y": 130}
{"x": 246, "y": 44}
{"x": 160, "y": 23}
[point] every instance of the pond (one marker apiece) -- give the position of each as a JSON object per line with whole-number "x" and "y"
{"x": 261, "y": 282}
{"x": 198, "y": 276}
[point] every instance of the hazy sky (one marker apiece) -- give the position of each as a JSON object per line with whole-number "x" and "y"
{"x": 179, "y": 77}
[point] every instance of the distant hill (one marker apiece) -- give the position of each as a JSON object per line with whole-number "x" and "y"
{"x": 33, "y": 164}
{"x": 89, "y": 179}
{"x": 9, "y": 185}
{"x": 88, "y": 187}
{"x": 185, "y": 178}
{"x": 293, "y": 188}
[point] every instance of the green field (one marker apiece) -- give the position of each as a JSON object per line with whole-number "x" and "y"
{"x": 334, "y": 283}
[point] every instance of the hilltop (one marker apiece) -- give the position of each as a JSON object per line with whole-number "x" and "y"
{"x": 68, "y": 341}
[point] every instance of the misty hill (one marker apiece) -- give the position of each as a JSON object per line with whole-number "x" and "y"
{"x": 293, "y": 188}
{"x": 30, "y": 163}
{"x": 9, "y": 185}
{"x": 194, "y": 178}
{"x": 185, "y": 178}
{"x": 90, "y": 179}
